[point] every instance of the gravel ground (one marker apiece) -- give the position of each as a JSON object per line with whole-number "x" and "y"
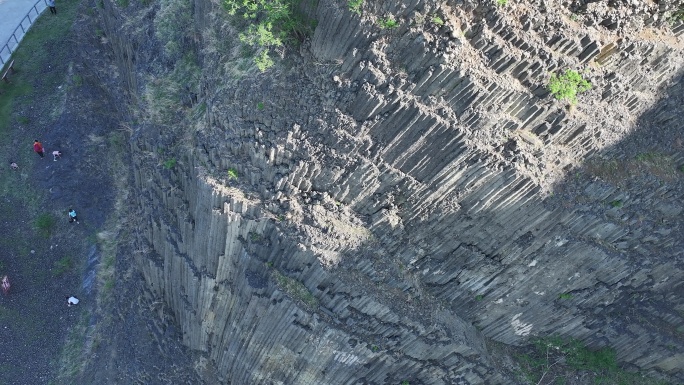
{"x": 42, "y": 340}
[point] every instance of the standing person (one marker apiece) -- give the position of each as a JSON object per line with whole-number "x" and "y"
{"x": 38, "y": 148}
{"x": 72, "y": 216}
{"x": 51, "y": 4}
{"x": 56, "y": 155}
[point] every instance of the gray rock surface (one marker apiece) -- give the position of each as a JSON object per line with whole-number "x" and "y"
{"x": 403, "y": 195}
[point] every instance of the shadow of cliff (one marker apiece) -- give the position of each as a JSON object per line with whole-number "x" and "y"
{"x": 601, "y": 259}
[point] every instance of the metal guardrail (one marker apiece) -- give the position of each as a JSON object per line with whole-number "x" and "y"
{"x": 19, "y": 32}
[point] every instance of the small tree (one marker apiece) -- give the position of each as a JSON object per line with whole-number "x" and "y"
{"x": 568, "y": 85}
{"x": 271, "y": 21}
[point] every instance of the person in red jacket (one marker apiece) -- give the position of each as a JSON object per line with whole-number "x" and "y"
{"x": 38, "y": 148}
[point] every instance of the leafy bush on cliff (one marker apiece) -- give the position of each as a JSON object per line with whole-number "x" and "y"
{"x": 270, "y": 23}
{"x": 355, "y": 6}
{"x": 568, "y": 85}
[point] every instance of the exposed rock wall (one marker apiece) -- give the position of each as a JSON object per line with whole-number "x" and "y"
{"x": 402, "y": 194}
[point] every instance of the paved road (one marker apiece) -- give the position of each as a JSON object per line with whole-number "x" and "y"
{"x": 12, "y": 14}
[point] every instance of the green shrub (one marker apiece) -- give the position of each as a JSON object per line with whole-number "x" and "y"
{"x": 501, "y": 3}
{"x": 568, "y": 85}
{"x": 437, "y": 20}
{"x": 170, "y": 163}
{"x": 388, "y": 23}
{"x": 232, "y": 173}
{"x": 564, "y": 296}
{"x": 355, "y": 6}
{"x": 616, "y": 203}
{"x": 271, "y": 22}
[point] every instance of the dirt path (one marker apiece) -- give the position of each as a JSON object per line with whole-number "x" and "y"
{"x": 131, "y": 339}
{"x": 45, "y": 256}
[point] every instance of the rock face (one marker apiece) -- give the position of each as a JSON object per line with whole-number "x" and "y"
{"x": 374, "y": 208}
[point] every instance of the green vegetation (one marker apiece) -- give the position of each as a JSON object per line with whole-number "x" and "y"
{"x": 232, "y": 173}
{"x": 437, "y": 20}
{"x": 29, "y": 58}
{"x": 648, "y": 157}
{"x": 355, "y": 6}
{"x": 270, "y": 24}
{"x": 552, "y": 360}
{"x": 479, "y": 297}
{"x": 63, "y": 265}
{"x": 295, "y": 289}
{"x": 677, "y": 15}
{"x": 173, "y": 26}
{"x": 164, "y": 95}
{"x": 260, "y": 106}
{"x": 375, "y": 348}
{"x": 564, "y": 296}
{"x": 388, "y": 23}
{"x": 23, "y": 120}
{"x": 501, "y": 3}
{"x": 45, "y": 224}
{"x": 170, "y": 163}
{"x": 405, "y": 382}
{"x": 568, "y": 85}
{"x": 617, "y": 203}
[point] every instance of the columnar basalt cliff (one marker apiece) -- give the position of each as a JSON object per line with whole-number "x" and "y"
{"x": 383, "y": 201}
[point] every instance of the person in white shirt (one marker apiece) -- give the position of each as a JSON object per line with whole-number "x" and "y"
{"x": 72, "y": 300}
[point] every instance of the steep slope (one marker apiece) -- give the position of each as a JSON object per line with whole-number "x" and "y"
{"x": 380, "y": 202}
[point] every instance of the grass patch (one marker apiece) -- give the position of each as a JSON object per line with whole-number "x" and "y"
{"x": 63, "y": 265}
{"x": 554, "y": 360}
{"x": 31, "y": 55}
{"x": 650, "y": 163}
{"x": 501, "y": 3}
{"x": 295, "y": 289}
{"x": 260, "y": 106}
{"x": 564, "y": 296}
{"x": 45, "y": 224}
{"x": 169, "y": 163}
{"x": 616, "y": 203}
{"x": 72, "y": 362}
